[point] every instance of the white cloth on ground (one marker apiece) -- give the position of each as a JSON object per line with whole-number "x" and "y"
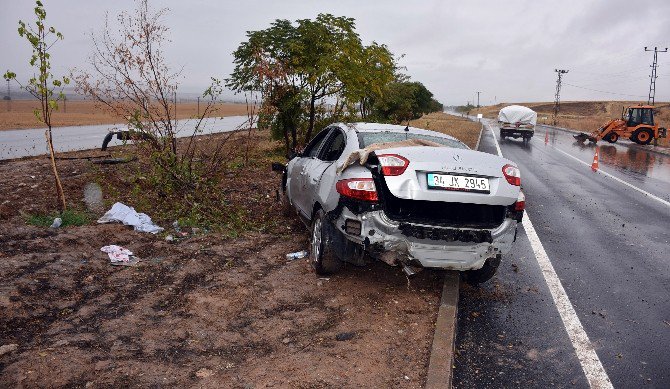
{"x": 117, "y": 253}
{"x": 128, "y": 216}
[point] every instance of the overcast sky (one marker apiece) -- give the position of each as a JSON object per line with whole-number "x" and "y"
{"x": 508, "y": 50}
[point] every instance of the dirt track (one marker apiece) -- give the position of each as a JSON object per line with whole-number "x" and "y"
{"x": 204, "y": 312}
{"x": 18, "y": 114}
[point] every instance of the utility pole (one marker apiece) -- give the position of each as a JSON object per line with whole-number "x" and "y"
{"x": 198, "y": 105}
{"x": 653, "y": 77}
{"x": 478, "y": 98}
{"x": 557, "y": 100}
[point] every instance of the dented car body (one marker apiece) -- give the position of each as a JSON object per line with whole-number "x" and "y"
{"x": 367, "y": 190}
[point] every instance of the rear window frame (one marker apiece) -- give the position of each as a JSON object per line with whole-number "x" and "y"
{"x": 411, "y": 135}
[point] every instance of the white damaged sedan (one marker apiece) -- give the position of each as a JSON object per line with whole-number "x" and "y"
{"x": 406, "y": 196}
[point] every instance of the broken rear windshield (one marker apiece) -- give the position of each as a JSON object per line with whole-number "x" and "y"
{"x": 367, "y": 138}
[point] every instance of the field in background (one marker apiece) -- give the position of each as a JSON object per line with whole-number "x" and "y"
{"x": 18, "y": 114}
{"x": 585, "y": 116}
{"x": 463, "y": 129}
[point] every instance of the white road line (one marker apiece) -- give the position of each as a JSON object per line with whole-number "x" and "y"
{"x": 591, "y": 365}
{"x": 588, "y": 358}
{"x": 644, "y": 192}
{"x": 495, "y": 140}
{"x": 481, "y": 131}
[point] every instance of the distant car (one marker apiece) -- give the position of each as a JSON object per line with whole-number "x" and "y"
{"x": 517, "y": 121}
{"x": 443, "y": 207}
{"x": 125, "y": 134}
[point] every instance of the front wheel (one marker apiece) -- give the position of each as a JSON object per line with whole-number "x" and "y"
{"x": 484, "y": 274}
{"x": 612, "y": 137}
{"x": 321, "y": 256}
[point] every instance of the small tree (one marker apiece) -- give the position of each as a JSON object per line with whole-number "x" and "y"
{"x": 43, "y": 85}
{"x": 132, "y": 80}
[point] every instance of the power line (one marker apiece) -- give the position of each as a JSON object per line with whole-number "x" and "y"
{"x": 602, "y": 91}
{"x": 557, "y": 101}
{"x": 653, "y": 77}
{"x": 613, "y": 76}
{"x": 609, "y": 82}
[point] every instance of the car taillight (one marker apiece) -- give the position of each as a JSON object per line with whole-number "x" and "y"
{"x": 392, "y": 164}
{"x": 358, "y": 188}
{"x": 520, "y": 204}
{"x": 512, "y": 174}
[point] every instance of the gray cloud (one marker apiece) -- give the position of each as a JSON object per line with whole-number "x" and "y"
{"x": 506, "y": 49}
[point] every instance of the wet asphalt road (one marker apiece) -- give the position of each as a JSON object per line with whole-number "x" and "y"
{"x": 31, "y": 142}
{"x": 609, "y": 245}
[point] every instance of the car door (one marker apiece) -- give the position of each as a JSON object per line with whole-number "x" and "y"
{"x": 322, "y": 174}
{"x": 298, "y": 183}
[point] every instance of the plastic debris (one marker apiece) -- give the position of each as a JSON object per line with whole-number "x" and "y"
{"x": 120, "y": 255}
{"x": 128, "y": 216}
{"x": 296, "y": 255}
{"x": 57, "y": 222}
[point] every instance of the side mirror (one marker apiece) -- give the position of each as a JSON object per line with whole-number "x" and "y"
{"x": 294, "y": 154}
{"x": 278, "y": 167}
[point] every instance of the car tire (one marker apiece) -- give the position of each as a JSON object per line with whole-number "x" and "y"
{"x": 502, "y": 135}
{"x": 484, "y": 274}
{"x": 321, "y": 255}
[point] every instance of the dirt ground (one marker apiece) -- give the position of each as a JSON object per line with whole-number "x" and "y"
{"x": 462, "y": 128}
{"x": 18, "y": 114}
{"x": 208, "y": 310}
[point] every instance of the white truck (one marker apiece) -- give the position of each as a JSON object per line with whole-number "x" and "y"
{"x": 517, "y": 121}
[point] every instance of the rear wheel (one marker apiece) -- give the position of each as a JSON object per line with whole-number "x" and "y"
{"x": 612, "y": 137}
{"x": 484, "y": 274}
{"x": 642, "y": 136}
{"x": 321, "y": 256}
{"x": 502, "y": 134}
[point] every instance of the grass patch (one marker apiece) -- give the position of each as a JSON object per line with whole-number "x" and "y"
{"x": 70, "y": 218}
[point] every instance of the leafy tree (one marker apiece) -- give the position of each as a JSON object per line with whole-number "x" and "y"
{"x": 43, "y": 85}
{"x": 303, "y": 63}
{"x": 403, "y": 101}
{"x": 374, "y": 68}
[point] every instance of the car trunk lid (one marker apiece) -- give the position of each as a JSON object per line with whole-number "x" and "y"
{"x": 412, "y": 184}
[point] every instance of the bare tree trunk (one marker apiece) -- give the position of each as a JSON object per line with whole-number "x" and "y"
{"x": 52, "y": 156}
{"x": 287, "y": 142}
{"x": 312, "y": 118}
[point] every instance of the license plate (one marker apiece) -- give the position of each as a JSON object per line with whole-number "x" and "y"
{"x": 463, "y": 183}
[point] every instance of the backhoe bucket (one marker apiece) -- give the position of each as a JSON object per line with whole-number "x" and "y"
{"x": 581, "y": 137}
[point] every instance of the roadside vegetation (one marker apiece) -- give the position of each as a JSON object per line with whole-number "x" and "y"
{"x": 296, "y": 76}
{"x": 43, "y": 85}
{"x": 69, "y": 217}
{"x": 311, "y": 73}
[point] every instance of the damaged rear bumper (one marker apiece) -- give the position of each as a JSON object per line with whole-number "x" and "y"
{"x": 428, "y": 246}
